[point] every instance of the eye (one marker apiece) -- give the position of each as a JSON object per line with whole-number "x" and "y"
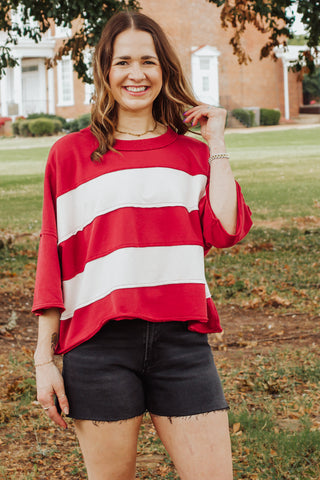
{"x": 122, "y": 63}
{"x": 149, "y": 62}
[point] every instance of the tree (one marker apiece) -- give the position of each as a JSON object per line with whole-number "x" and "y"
{"x": 267, "y": 16}
{"x": 36, "y": 18}
{"x": 274, "y": 17}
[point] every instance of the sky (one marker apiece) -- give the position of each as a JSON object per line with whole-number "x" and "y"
{"x": 297, "y": 27}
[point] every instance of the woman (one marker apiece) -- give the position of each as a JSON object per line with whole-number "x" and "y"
{"x": 133, "y": 205}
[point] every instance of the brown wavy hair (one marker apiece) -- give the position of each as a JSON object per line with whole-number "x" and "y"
{"x": 174, "y": 98}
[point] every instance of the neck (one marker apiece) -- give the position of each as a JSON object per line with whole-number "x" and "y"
{"x": 135, "y": 123}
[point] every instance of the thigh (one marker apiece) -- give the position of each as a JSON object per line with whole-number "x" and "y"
{"x": 109, "y": 448}
{"x": 199, "y": 445}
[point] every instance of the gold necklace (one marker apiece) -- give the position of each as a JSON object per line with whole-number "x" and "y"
{"x": 138, "y": 134}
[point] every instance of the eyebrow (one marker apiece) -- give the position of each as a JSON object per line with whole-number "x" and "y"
{"x": 127, "y": 57}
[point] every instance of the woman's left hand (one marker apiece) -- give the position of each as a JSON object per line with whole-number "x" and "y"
{"x": 212, "y": 121}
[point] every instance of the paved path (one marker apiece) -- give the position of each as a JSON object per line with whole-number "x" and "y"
{"x": 273, "y": 128}
{"x": 15, "y": 143}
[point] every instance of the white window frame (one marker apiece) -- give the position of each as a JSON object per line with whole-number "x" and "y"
{"x": 63, "y": 102}
{"x": 204, "y": 63}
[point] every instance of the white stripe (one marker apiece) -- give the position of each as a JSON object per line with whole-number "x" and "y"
{"x": 131, "y": 268}
{"x": 208, "y": 293}
{"x": 137, "y": 187}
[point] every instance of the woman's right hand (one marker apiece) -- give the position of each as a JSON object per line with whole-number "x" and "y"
{"x": 50, "y": 384}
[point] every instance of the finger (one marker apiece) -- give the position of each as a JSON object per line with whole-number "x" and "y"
{"x": 56, "y": 417}
{"x": 197, "y": 117}
{"x": 195, "y": 109}
{"x": 197, "y": 114}
{"x": 189, "y": 114}
{"x": 63, "y": 402}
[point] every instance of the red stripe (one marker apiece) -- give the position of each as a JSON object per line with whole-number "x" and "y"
{"x": 170, "y": 302}
{"x": 186, "y": 154}
{"x": 129, "y": 227}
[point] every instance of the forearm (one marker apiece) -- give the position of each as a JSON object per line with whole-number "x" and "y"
{"x": 48, "y": 332}
{"x": 222, "y": 189}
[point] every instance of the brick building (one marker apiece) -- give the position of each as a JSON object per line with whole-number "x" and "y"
{"x": 194, "y": 29}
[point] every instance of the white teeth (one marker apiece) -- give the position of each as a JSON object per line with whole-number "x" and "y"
{"x": 136, "y": 89}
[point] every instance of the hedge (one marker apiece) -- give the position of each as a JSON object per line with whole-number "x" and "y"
{"x": 269, "y": 116}
{"x": 62, "y": 120}
{"x": 41, "y": 126}
{"x": 244, "y": 116}
{"x": 16, "y": 127}
{"x": 79, "y": 123}
{"x": 23, "y": 126}
{"x": 37, "y": 127}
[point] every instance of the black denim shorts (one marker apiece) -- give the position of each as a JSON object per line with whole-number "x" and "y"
{"x": 131, "y": 366}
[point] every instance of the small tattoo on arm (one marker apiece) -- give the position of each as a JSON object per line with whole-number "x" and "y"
{"x": 96, "y": 423}
{"x": 54, "y": 340}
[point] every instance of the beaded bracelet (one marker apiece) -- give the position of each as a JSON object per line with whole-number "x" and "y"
{"x": 44, "y": 363}
{"x": 216, "y": 156}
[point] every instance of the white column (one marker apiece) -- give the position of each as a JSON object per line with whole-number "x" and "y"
{"x": 286, "y": 89}
{"x": 17, "y": 86}
{"x": 4, "y": 94}
{"x": 42, "y": 93}
{"x": 215, "y": 68}
{"x": 50, "y": 92}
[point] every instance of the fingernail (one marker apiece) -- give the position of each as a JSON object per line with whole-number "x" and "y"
{"x": 66, "y": 410}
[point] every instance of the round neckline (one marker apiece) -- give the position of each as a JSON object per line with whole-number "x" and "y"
{"x": 147, "y": 143}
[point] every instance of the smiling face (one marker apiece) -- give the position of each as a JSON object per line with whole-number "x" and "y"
{"x": 135, "y": 76}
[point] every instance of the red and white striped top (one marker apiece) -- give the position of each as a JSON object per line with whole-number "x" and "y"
{"x": 126, "y": 237}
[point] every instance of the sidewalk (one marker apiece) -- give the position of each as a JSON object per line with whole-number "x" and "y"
{"x": 273, "y": 128}
{"x": 14, "y": 143}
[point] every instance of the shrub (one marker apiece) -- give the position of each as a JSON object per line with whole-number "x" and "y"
{"x": 24, "y": 129}
{"x": 57, "y": 126}
{"x": 269, "y": 116}
{"x": 62, "y": 120}
{"x": 73, "y": 125}
{"x": 16, "y": 127}
{"x": 244, "y": 116}
{"x": 79, "y": 123}
{"x": 41, "y": 126}
{"x": 84, "y": 120}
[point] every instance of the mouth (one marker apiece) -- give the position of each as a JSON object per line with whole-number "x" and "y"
{"x": 132, "y": 89}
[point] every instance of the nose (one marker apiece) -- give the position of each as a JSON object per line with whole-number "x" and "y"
{"x": 136, "y": 72}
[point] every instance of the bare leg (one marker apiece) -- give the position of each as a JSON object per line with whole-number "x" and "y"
{"x": 199, "y": 445}
{"x": 109, "y": 448}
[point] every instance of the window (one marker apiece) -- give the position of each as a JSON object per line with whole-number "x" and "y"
{"x": 65, "y": 82}
{"x": 31, "y": 68}
{"x": 205, "y": 74}
{"x": 205, "y": 84}
{"x": 204, "y": 63}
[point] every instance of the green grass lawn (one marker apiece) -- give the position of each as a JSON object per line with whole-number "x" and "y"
{"x": 279, "y": 172}
{"x": 273, "y": 394}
